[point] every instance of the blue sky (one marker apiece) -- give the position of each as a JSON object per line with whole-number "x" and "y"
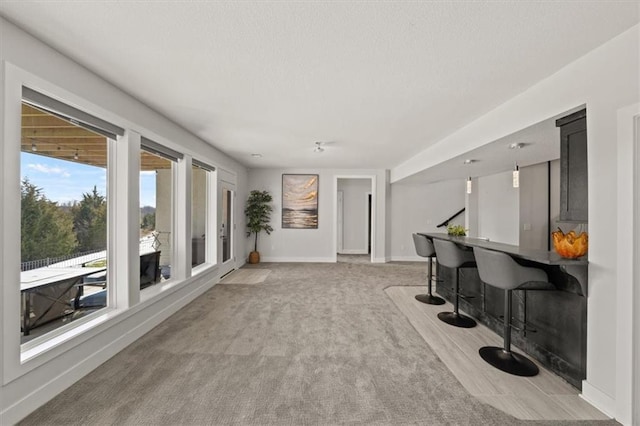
{"x": 65, "y": 181}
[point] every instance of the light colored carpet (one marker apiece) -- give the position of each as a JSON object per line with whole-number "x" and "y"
{"x": 246, "y": 276}
{"x": 315, "y": 344}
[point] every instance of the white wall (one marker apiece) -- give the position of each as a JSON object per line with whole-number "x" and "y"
{"x": 605, "y": 80}
{"x": 498, "y": 208}
{"x": 355, "y": 210}
{"x": 27, "y": 385}
{"x": 314, "y": 245}
{"x": 419, "y": 208}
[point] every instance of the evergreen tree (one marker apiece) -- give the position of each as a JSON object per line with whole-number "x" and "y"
{"x": 46, "y": 230}
{"x": 148, "y": 222}
{"x": 90, "y": 221}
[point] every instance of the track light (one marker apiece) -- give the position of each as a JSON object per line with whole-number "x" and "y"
{"x": 318, "y": 147}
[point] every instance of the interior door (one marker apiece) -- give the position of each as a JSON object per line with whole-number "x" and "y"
{"x": 226, "y": 228}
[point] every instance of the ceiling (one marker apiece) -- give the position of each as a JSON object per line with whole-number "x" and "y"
{"x": 48, "y": 135}
{"x": 378, "y": 81}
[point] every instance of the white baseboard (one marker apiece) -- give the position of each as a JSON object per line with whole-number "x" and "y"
{"x": 163, "y": 308}
{"x": 298, "y": 259}
{"x": 408, "y": 259}
{"x": 379, "y": 260}
{"x": 353, "y": 251}
{"x": 598, "y": 399}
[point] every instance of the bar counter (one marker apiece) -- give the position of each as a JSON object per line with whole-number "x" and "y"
{"x": 556, "y": 321}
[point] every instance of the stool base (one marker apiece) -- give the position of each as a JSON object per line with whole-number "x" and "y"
{"x": 508, "y": 362}
{"x": 457, "y": 320}
{"x": 430, "y": 299}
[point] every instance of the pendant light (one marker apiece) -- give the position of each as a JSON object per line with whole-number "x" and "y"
{"x": 467, "y": 162}
{"x": 516, "y": 168}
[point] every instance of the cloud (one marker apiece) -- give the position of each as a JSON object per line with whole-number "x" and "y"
{"x": 42, "y": 168}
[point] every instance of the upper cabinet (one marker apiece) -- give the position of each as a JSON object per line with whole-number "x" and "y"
{"x": 573, "y": 167}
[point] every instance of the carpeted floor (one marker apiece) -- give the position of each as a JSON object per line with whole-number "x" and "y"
{"x": 314, "y": 344}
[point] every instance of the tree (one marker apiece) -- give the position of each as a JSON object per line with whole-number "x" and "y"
{"x": 90, "y": 221}
{"x": 46, "y": 230}
{"x": 148, "y": 222}
{"x": 258, "y": 212}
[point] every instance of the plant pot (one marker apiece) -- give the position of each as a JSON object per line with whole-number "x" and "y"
{"x": 254, "y": 257}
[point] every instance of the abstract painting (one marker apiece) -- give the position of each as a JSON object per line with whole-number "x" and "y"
{"x": 300, "y": 201}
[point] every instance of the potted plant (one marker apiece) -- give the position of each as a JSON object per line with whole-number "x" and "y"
{"x": 456, "y": 230}
{"x": 258, "y": 212}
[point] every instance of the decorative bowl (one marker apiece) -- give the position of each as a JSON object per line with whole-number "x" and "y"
{"x": 570, "y": 245}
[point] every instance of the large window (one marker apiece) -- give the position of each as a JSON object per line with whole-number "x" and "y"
{"x": 156, "y": 212}
{"x": 64, "y": 214}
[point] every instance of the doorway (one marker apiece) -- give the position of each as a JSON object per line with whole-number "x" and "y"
{"x": 355, "y": 219}
{"x": 226, "y": 240}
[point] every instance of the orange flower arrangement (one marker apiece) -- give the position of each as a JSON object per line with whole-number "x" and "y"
{"x": 570, "y": 245}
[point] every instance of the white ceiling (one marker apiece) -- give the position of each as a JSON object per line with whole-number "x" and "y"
{"x": 381, "y": 81}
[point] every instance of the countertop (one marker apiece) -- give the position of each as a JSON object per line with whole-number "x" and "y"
{"x": 540, "y": 256}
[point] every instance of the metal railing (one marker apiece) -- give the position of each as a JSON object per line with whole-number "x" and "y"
{"x": 63, "y": 261}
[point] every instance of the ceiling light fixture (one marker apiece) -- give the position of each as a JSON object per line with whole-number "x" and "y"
{"x": 76, "y": 156}
{"x": 34, "y": 148}
{"x": 318, "y": 147}
{"x": 469, "y": 185}
{"x": 516, "y": 168}
{"x": 469, "y": 161}
{"x": 256, "y": 155}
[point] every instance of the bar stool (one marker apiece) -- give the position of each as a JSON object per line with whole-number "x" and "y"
{"x": 499, "y": 270}
{"x": 452, "y": 256}
{"x": 424, "y": 248}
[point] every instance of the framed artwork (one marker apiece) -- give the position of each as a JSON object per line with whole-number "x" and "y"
{"x": 300, "y": 201}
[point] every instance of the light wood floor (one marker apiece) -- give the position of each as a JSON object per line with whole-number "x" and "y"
{"x": 543, "y": 397}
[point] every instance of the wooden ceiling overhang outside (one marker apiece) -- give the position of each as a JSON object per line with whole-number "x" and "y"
{"x": 57, "y": 138}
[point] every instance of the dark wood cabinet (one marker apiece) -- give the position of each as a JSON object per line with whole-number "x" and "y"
{"x": 573, "y": 167}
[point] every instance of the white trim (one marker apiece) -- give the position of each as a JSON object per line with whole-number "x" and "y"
{"x": 627, "y": 264}
{"x": 340, "y": 221}
{"x": 297, "y": 259}
{"x": 230, "y": 264}
{"x": 368, "y": 225}
{"x": 635, "y": 366}
{"x": 414, "y": 258}
{"x": 374, "y": 223}
{"x": 598, "y": 399}
{"x": 353, "y": 251}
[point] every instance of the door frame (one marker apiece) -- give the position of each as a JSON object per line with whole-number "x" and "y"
{"x": 628, "y": 267}
{"x": 340, "y": 221}
{"x": 374, "y": 219}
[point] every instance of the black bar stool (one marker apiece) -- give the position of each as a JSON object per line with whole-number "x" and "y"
{"x": 499, "y": 270}
{"x": 424, "y": 248}
{"x": 452, "y": 256}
